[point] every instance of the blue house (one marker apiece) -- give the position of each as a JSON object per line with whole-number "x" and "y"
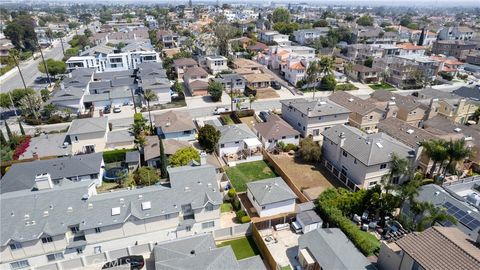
{"x": 175, "y": 125}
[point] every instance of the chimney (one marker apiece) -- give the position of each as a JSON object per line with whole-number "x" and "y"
{"x": 342, "y": 139}
{"x": 43, "y": 181}
{"x": 203, "y": 158}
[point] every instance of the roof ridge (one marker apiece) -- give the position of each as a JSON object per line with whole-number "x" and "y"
{"x": 454, "y": 243}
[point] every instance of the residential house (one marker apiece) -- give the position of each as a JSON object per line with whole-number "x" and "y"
{"x": 326, "y": 249}
{"x": 361, "y": 52}
{"x": 47, "y": 145}
{"x": 271, "y": 197}
{"x": 231, "y": 82}
{"x": 216, "y": 64}
{"x": 88, "y": 135}
{"x": 456, "y": 33}
{"x": 152, "y": 77}
{"x": 361, "y": 160}
{"x": 196, "y": 81}
{"x": 151, "y": 150}
{"x": 73, "y": 222}
{"x": 364, "y": 74}
{"x": 73, "y": 89}
{"x": 238, "y": 144}
{"x": 277, "y": 55}
{"x": 311, "y": 117}
{"x": 120, "y": 139}
{"x": 182, "y": 64}
{"x": 23, "y": 176}
{"x": 200, "y": 252}
{"x": 177, "y": 125}
{"x": 406, "y": 108}
{"x": 449, "y": 65}
{"x": 258, "y": 80}
{"x": 364, "y": 115}
{"x": 275, "y": 131}
{"x": 435, "y": 248}
{"x": 247, "y": 64}
{"x": 111, "y": 91}
{"x": 307, "y": 36}
{"x": 167, "y": 38}
{"x": 456, "y": 48}
{"x": 273, "y": 37}
{"x": 411, "y": 49}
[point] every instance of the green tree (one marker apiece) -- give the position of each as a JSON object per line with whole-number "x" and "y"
{"x": 365, "y": 20}
{"x": 3, "y": 141}
{"x": 5, "y": 101}
{"x": 435, "y": 215}
{"x": 476, "y": 115}
{"x": 139, "y": 124}
{"x": 183, "y": 156}
{"x": 436, "y": 150}
{"x": 7, "y": 128}
{"x": 49, "y": 109}
{"x": 147, "y": 176}
{"x": 208, "y": 137}
{"x": 178, "y": 88}
{"x": 313, "y": 70}
{"x": 31, "y": 105}
{"x": 321, "y": 23}
{"x": 163, "y": 160}
{"x": 405, "y": 20}
{"x": 21, "y": 32}
{"x": 54, "y": 67}
{"x": 45, "y": 94}
{"x": 215, "y": 89}
{"x": 328, "y": 82}
{"x": 223, "y": 33}
{"x": 281, "y": 15}
{"x": 457, "y": 151}
{"x": 149, "y": 96}
{"x": 398, "y": 167}
{"x": 22, "y": 131}
{"x": 368, "y": 62}
{"x": 309, "y": 150}
{"x": 251, "y": 99}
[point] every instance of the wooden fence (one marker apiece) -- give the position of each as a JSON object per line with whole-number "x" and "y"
{"x": 257, "y": 237}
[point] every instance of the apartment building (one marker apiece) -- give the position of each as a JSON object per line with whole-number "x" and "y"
{"x": 105, "y": 58}
{"x": 361, "y": 160}
{"x": 312, "y": 117}
{"x": 456, "y": 48}
{"x": 279, "y": 54}
{"x": 456, "y": 33}
{"x": 216, "y": 64}
{"x": 49, "y": 225}
{"x": 307, "y": 36}
{"x": 182, "y": 64}
{"x": 363, "y": 114}
{"x": 271, "y": 37}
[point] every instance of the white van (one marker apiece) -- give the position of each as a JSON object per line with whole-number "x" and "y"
{"x": 296, "y": 227}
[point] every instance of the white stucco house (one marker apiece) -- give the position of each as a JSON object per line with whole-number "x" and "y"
{"x": 238, "y": 144}
{"x": 276, "y": 131}
{"x": 175, "y": 125}
{"x": 88, "y": 135}
{"x": 271, "y": 197}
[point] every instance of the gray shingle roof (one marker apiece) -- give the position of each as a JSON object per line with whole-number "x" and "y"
{"x": 66, "y": 208}
{"x": 120, "y": 136}
{"x": 233, "y": 133}
{"x": 270, "y": 190}
{"x": 275, "y": 128}
{"x": 69, "y": 93}
{"x": 308, "y": 217}
{"x": 315, "y": 108}
{"x": 199, "y": 252}
{"x": 88, "y": 125}
{"x": 21, "y": 176}
{"x": 332, "y": 250}
{"x": 370, "y": 149}
{"x": 174, "y": 121}
{"x": 47, "y": 145}
{"x": 352, "y": 103}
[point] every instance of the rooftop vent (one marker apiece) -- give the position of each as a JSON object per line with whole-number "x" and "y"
{"x": 457, "y": 129}
{"x": 70, "y": 209}
{"x": 351, "y": 99}
{"x": 45, "y": 213}
{"x": 379, "y": 145}
{"x": 140, "y": 196}
{"x": 115, "y": 211}
{"x": 90, "y": 205}
{"x": 410, "y": 131}
{"x": 146, "y": 205}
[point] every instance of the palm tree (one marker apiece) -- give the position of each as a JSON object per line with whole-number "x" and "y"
{"x": 399, "y": 167}
{"x": 312, "y": 74}
{"x": 408, "y": 191}
{"x": 251, "y": 99}
{"x": 436, "y": 150}
{"x": 15, "y": 55}
{"x": 457, "y": 151}
{"x": 435, "y": 215}
{"x": 149, "y": 95}
{"x": 326, "y": 65}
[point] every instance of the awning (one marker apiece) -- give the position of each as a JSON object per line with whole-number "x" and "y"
{"x": 252, "y": 142}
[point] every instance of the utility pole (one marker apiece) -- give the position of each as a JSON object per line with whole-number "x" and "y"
{"x": 13, "y": 53}
{"x": 231, "y": 95}
{"x": 61, "y": 42}
{"x": 43, "y": 59}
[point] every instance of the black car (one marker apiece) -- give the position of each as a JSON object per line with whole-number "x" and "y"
{"x": 136, "y": 262}
{"x": 275, "y": 85}
{"x": 107, "y": 109}
{"x": 263, "y": 115}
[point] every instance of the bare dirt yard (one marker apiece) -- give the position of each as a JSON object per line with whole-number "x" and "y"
{"x": 267, "y": 93}
{"x": 307, "y": 177}
{"x": 249, "y": 121}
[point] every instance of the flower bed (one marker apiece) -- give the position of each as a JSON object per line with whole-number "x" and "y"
{"x": 21, "y": 148}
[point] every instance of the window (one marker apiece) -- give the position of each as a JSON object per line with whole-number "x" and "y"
{"x": 76, "y": 138}
{"x": 355, "y": 161}
{"x": 370, "y": 117}
{"x": 97, "y": 249}
{"x": 344, "y": 153}
{"x": 167, "y": 216}
{"x": 98, "y": 230}
{"x": 207, "y": 225}
{"x": 383, "y": 166}
{"x": 187, "y": 132}
{"x": 296, "y": 136}
{"x": 74, "y": 229}
{"x": 284, "y": 137}
{"x": 222, "y": 145}
{"x": 19, "y": 264}
{"x": 188, "y": 228}
{"x": 16, "y": 245}
{"x": 79, "y": 251}
{"x": 373, "y": 183}
{"x": 237, "y": 142}
{"x": 47, "y": 239}
{"x": 263, "y": 207}
{"x": 55, "y": 257}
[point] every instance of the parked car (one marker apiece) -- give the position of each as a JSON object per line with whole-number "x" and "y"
{"x": 136, "y": 262}
{"x": 220, "y": 110}
{"x": 263, "y": 115}
{"x": 275, "y": 85}
{"x": 107, "y": 109}
{"x": 117, "y": 109}
{"x": 296, "y": 227}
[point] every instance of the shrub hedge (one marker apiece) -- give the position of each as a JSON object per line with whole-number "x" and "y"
{"x": 245, "y": 219}
{"x": 115, "y": 155}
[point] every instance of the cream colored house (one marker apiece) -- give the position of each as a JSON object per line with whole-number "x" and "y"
{"x": 88, "y": 135}
{"x": 71, "y": 224}
{"x": 458, "y": 111}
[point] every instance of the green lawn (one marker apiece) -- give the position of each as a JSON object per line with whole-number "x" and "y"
{"x": 243, "y": 247}
{"x": 226, "y": 207}
{"x": 286, "y": 267}
{"x": 243, "y": 173}
{"x": 345, "y": 87}
{"x": 381, "y": 86}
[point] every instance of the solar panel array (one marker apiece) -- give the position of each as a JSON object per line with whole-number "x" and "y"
{"x": 462, "y": 216}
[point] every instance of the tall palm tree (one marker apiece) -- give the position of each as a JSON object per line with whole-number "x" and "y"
{"x": 149, "y": 95}
{"x": 312, "y": 75}
{"x": 436, "y": 150}
{"x": 408, "y": 191}
{"x": 399, "y": 167}
{"x": 326, "y": 65}
{"x": 457, "y": 151}
{"x": 251, "y": 99}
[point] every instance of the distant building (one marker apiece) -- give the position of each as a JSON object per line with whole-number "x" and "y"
{"x": 456, "y": 48}
{"x": 456, "y": 33}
